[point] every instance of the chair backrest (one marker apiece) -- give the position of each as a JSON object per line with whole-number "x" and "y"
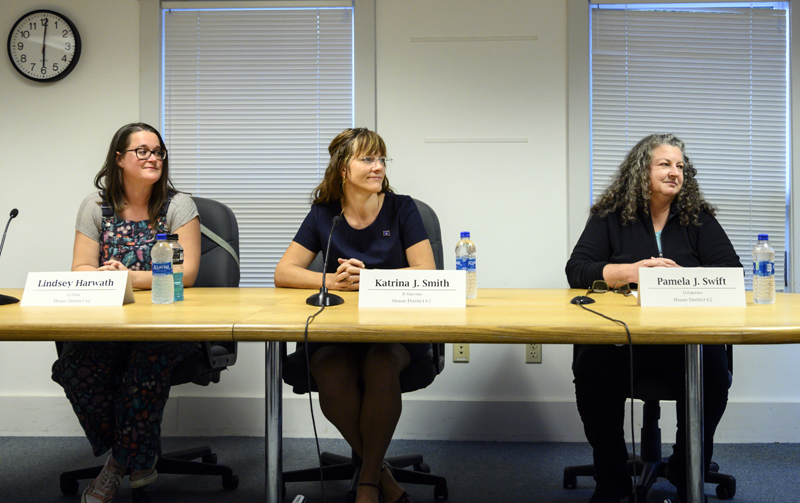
{"x": 218, "y": 268}
{"x": 434, "y": 230}
{"x": 417, "y": 375}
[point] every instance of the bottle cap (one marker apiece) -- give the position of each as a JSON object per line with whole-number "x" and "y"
{"x": 464, "y": 235}
{"x": 161, "y": 237}
{"x": 763, "y": 237}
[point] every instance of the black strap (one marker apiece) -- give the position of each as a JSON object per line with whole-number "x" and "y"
{"x": 108, "y": 210}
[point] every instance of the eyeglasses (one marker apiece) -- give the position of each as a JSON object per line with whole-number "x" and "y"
{"x": 600, "y": 286}
{"x": 370, "y": 161}
{"x": 144, "y": 153}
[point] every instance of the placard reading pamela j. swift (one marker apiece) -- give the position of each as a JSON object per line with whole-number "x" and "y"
{"x": 82, "y": 288}
{"x": 691, "y": 286}
{"x": 404, "y": 288}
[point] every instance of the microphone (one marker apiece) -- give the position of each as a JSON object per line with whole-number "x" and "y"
{"x": 323, "y": 298}
{"x": 7, "y": 299}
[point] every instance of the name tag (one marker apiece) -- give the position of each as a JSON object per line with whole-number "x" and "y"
{"x": 83, "y": 288}
{"x": 691, "y": 287}
{"x": 393, "y": 288}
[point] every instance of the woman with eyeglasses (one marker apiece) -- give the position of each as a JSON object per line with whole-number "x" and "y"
{"x": 651, "y": 215}
{"x": 119, "y": 389}
{"x": 359, "y": 384}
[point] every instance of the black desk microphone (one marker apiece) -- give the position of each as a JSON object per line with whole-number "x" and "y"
{"x": 7, "y": 299}
{"x": 323, "y": 298}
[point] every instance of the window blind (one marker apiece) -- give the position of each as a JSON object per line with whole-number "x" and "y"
{"x": 717, "y": 78}
{"x": 251, "y": 100}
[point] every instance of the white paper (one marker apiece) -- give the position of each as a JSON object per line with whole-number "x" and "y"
{"x": 83, "y": 288}
{"x": 405, "y": 288}
{"x": 691, "y": 287}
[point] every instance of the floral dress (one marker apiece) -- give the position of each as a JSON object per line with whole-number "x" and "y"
{"x": 118, "y": 390}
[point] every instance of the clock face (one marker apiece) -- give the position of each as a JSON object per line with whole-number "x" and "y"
{"x": 44, "y": 46}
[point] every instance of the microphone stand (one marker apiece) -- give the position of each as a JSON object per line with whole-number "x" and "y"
{"x": 323, "y": 298}
{"x": 7, "y": 299}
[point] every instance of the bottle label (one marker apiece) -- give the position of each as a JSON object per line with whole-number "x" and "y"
{"x": 764, "y": 268}
{"x": 177, "y": 282}
{"x": 465, "y": 263}
{"x": 162, "y": 269}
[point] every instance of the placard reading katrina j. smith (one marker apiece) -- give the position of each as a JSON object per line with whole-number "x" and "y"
{"x": 82, "y": 288}
{"x": 404, "y": 288}
{"x": 691, "y": 286}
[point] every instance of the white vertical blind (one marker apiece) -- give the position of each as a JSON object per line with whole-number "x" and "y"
{"x": 717, "y": 78}
{"x": 252, "y": 98}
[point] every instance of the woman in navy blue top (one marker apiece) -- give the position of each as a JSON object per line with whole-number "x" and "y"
{"x": 379, "y": 230}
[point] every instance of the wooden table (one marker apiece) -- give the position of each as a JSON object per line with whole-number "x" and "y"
{"x": 497, "y": 316}
{"x": 522, "y": 316}
{"x": 207, "y": 314}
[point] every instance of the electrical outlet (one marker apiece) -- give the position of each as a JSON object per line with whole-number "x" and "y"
{"x": 461, "y": 353}
{"x": 533, "y": 353}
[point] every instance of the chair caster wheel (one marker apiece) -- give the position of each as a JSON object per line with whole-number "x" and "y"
{"x": 210, "y": 459}
{"x": 422, "y": 467}
{"x": 69, "y": 486}
{"x": 230, "y": 482}
{"x": 713, "y": 467}
{"x": 440, "y": 492}
{"x": 726, "y": 492}
{"x": 570, "y": 481}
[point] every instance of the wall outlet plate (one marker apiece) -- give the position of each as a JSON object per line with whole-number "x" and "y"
{"x": 461, "y": 353}
{"x": 533, "y": 353}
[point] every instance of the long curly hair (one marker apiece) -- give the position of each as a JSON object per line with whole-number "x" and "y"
{"x": 349, "y": 144}
{"x": 109, "y": 178}
{"x": 629, "y": 190}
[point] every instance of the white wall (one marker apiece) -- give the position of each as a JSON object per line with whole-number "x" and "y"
{"x": 477, "y": 124}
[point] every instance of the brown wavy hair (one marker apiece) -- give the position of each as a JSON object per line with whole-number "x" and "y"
{"x": 348, "y": 145}
{"x": 110, "y": 180}
{"x": 629, "y": 190}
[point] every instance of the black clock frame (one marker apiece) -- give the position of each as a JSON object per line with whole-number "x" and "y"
{"x": 73, "y": 63}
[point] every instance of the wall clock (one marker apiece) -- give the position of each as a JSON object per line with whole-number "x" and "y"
{"x": 44, "y": 46}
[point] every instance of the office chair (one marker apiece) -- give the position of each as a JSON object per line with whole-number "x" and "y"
{"x": 649, "y": 464}
{"x": 218, "y": 268}
{"x": 418, "y": 375}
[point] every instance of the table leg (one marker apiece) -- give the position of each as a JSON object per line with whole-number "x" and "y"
{"x": 694, "y": 423}
{"x": 274, "y": 424}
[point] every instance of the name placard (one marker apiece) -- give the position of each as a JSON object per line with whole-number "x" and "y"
{"x": 394, "y": 288}
{"x": 691, "y": 287}
{"x": 82, "y": 288}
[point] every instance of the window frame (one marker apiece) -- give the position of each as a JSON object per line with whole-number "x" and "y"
{"x": 579, "y": 126}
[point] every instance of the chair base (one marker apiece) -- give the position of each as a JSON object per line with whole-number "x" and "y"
{"x": 173, "y": 463}
{"x": 337, "y": 467}
{"x": 649, "y": 472}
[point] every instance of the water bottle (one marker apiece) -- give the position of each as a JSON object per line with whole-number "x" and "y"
{"x": 163, "y": 287}
{"x": 763, "y": 271}
{"x": 465, "y": 261}
{"x": 177, "y": 266}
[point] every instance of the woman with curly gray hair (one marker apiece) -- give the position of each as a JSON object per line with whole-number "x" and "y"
{"x": 651, "y": 215}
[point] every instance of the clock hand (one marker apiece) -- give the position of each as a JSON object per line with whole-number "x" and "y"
{"x": 44, "y": 37}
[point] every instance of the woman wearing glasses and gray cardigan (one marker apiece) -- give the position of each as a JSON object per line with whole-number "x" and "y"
{"x": 652, "y": 215}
